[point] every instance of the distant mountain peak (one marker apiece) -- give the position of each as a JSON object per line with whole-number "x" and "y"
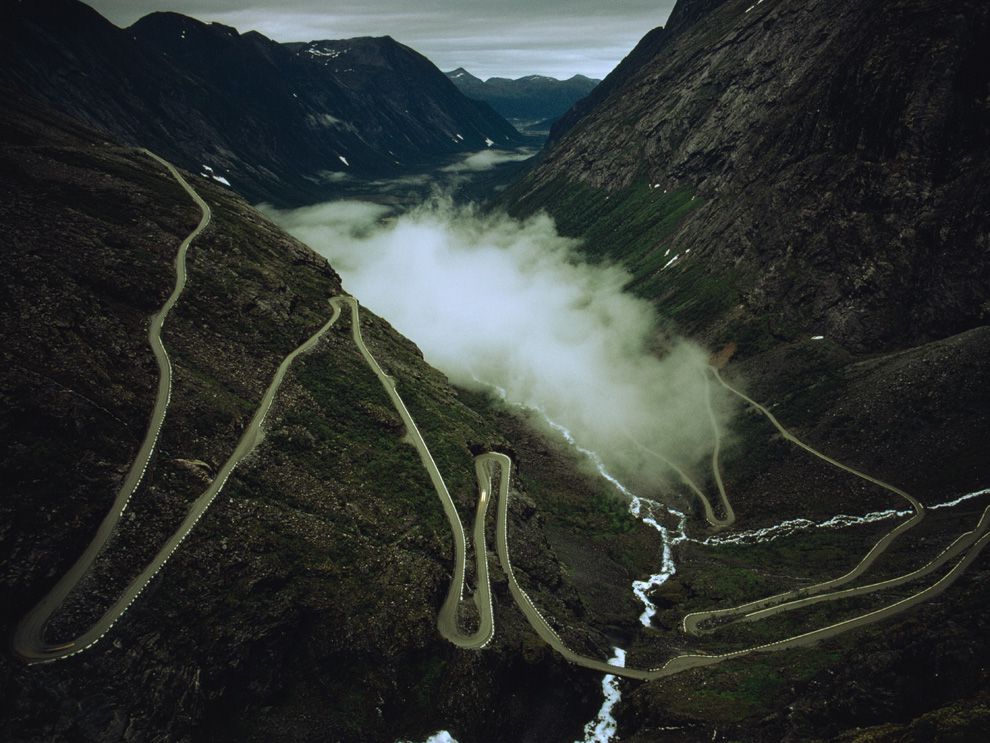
{"x": 530, "y": 98}
{"x": 463, "y": 76}
{"x": 276, "y": 117}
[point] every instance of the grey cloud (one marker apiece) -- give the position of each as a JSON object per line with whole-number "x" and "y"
{"x": 506, "y": 38}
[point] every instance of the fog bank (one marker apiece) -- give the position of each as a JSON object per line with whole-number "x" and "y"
{"x": 511, "y": 304}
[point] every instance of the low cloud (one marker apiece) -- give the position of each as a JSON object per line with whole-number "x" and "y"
{"x": 477, "y": 162}
{"x": 511, "y": 303}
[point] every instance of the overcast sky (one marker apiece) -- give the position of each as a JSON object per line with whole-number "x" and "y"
{"x": 509, "y": 38}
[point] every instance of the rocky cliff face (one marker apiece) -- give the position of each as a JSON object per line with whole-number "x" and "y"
{"x": 280, "y": 123}
{"x": 303, "y": 605}
{"x": 836, "y": 159}
{"x": 803, "y": 185}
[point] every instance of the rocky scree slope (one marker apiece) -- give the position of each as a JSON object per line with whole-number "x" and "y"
{"x": 282, "y": 123}
{"x": 303, "y": 605}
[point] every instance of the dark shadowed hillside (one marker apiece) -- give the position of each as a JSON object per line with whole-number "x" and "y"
{"x": 803, "y": 185}
{"x": 280, "y": 123}
{"x": 825, "y": 163}
{"x": 304, "y": 603}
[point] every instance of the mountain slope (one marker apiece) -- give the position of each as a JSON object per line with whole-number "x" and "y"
{"x": 834, "y": 165}
{"x": 303, "y": 604}
{"x": 279, "y": 125}
{"x": 803, "y": 187}
{"x": 532, "y": 98}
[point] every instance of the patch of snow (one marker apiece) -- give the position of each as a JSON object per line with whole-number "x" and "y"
{"x": 343, "y": 160}
{"x": 489, "y": 142}
{"x": 208, "y": 173}
{"x": 328, "y": 53}
{"x": 818, "y": 337}
{"x": 439, "y": 737}
{"x": 602, "y": 729}
{"x": 459, "y": 137}
{"x": 667, "y": 265}
{"x": 325, "y": 119}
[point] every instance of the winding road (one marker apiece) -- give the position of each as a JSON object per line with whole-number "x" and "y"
{"x": 447, "y": 620}
{"x": 488, "y": 465}
{"x": 29, "y": 643}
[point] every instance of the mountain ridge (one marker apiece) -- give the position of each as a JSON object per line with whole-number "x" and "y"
{"x": 279, "y": 126}
{"x": 533, "y": 98}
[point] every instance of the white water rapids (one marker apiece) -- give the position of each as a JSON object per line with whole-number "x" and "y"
{"x": 644, "y": 509}
{"x": 603, "y": 728}
{"x": 441, "y": 736}
{"x": 840, "y": 521}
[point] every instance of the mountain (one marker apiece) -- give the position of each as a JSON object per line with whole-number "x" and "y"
{"x": 805, "y": 187}
{"x": 281, "y": 123}
{"x": 827, "y": 200}
{"x": 800, "y": 186}
{"x": 530, "y": 98}
{"x": 303, "y": 604}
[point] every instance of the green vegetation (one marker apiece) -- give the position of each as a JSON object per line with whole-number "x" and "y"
{"x": 599, "y": 515}
{"x": 749, "y": 688}
{"x": 686, "y": 292}
{"x": 634, "y": 225}
{"x": 352, "y": 417}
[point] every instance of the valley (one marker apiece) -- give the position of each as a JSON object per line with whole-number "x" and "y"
{"x": 307, "y": 438}
{"x": 28, "y": 643}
